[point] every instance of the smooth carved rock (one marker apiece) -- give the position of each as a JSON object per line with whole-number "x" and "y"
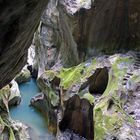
{"x": 18, "y": 22}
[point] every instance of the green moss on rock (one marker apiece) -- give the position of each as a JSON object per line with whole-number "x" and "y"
{"x": 108, "y": 113}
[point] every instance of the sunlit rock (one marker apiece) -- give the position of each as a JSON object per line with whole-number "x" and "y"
{"x": 15, "y": 97}
{"x": 23, "y": 76}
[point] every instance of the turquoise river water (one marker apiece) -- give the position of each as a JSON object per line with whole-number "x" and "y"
{"x": 28, "y": 115}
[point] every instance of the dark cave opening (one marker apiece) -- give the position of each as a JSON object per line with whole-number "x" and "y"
{"x": 98, "y": 81}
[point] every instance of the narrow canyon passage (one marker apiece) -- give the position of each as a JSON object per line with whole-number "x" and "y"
{"x": 28, "y": 115}
{"x": 70, "y": 70}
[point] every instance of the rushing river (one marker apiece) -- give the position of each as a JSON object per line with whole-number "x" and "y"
{"x": 29, "y": 115}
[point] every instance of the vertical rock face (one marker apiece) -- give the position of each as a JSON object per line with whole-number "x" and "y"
{"x": 18, "y": 22}
{"x": 73, "y": 31}
{"x": 114, "y": 25}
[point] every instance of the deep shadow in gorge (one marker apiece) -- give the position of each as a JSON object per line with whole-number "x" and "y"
{"x": 78, "y": 117}
{"x": 97, "y": 83}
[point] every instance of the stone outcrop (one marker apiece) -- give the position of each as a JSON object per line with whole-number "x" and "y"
{"x": 43, "y": 105}
{"x": 15, "y": 97}
{"x": 32, "y": 64}
{"x": 83, "y": 111}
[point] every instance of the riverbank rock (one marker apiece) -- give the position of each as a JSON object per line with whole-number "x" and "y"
{"x": 41, "y": 103}
{"x": 23, "y": 76}
{"x": 15, "y": 97}
{"x": 9, "y": 129}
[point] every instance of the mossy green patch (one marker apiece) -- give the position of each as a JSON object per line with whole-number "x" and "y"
{"x": 135, "y": 78}
{"x": 70, "y": 76}
{"x": 106, "y": 119}
{"x": 77, "y": 74}
{"x": 4, "y": 91}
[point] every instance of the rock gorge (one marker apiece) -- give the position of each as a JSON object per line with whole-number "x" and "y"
{"x": 85, "y": 55}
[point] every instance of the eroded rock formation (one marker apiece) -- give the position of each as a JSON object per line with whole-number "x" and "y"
{"x": 18, "y": 22}
{"x": 68, "y": 93}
